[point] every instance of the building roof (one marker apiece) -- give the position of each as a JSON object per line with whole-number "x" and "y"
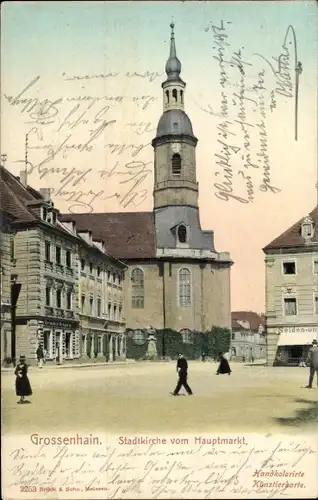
{"x": 292, "y": 237}
{"x": 14, "y": 197}
{"x": 127, "y": 235}
{"x": 247, "y": 319}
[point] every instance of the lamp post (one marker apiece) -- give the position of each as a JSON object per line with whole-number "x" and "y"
{"x": 15, "y": 292}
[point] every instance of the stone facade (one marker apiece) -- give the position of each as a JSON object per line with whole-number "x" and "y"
{"x": 292, "y": 293}
{"x": 206, "y": 301}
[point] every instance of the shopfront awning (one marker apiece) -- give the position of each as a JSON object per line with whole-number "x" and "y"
{"x": 301, "y": 338}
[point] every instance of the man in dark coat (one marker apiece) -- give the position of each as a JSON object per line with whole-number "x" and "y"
{"x": 182, "y": 370}
{"x": 40, "y": 356}
{"x": 312, "y": 361}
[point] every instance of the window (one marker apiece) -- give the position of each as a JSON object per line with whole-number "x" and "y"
{"x": 187, "y": 337}
{"x": 184, "y": 288}
{"x": 290, "y": 307}
{"x": 98, "y": 271}
{"x": 115, "y": 312}
{"x": 175, "y": 95}
{"x": 90, "y": 268}
{"x": 59, "y": 298}
{"x": 48, "y": 296}
{"x": 316, "y": 304}
{"x": 139, "y": 337}
{"x": 119, "y": 313}
{"x": 12, "y": 249}
{"x": 99, "y": 344}
{"x": 109, "y": 310}
{"x": 91, "y": 306}
{"x": 48, "y": 251}
{"x": 233, "y": 335}
{"x": 114, "y": 277}
{"x": 69, "y": 300}
{"x": 137, "y": 289}
{"x": 99, "y": 308}
{"x": 82, "y": 303}
{"x": 176, "y": 164}
{"x": 316, "y": 266}
{"x": 306, "y": 230}
{"x": 167, "y": 96}
{"x": 182, "y": 234}
{"x": 289, "y": 267}
{"x": 181, "y": 96}
{"x": 108, "y": 276}
{"x": 82, "y": 265}
{"x": 58, "y": 255}
{"x": 68, "y": 259}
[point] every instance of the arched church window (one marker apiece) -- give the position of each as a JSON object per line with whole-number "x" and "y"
{"x": 184, "y": 284}
{"x": 181, "y": 96}
{"x": 137, "y": 289}
{"x": 176, "y": 164}
{"x": 187, "y": 337}
{"x": 175, "y": 95}
{"x": 182, "y": 234}
{"x": 167, "y": 96}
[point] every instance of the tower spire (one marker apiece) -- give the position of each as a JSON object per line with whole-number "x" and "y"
{"x": 173, "y": 65}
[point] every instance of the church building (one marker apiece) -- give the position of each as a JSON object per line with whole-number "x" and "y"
{"x": 175, "y": 277}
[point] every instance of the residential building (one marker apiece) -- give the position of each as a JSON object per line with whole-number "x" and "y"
{"x": 45, "y": 266}
{"x": 292, "y": 292}
{"x": 248, "y": 336}
{"x": 176, "y": 278}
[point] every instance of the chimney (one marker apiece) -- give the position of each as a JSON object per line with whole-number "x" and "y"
{"x": 46, "y": 193}
{"x": 24, "y": 178}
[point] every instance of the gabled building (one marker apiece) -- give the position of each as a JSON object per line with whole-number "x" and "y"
{"x": 176, "y": 278}
{"x": 248, "y": 336}
{"x": 44, "y": 265}
{"x": 291, "y": 262}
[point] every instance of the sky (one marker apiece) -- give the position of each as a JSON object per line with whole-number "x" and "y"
{"x": 83, "y": 81}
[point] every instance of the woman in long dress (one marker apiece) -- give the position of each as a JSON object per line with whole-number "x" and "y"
{"x": 22, "y": 383}
{"x": 224, "y": 366}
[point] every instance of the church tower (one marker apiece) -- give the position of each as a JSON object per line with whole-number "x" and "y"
{"x": 174, "y": 145}
{"x": 176, "y": 190}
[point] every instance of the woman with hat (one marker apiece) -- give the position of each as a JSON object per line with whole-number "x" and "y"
{"x": 224, "y": 366}
{"x": 22, "y": 383}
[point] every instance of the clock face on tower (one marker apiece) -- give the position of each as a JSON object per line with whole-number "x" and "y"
{"x": 175, "y": 147}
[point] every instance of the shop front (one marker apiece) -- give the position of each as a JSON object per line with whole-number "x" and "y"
{"x": 293, "y": 344}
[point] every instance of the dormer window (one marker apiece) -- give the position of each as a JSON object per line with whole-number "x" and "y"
{"x": 176, "y": 165}
{"x": 307, "y": 228}
{"x": 182, "y": 234}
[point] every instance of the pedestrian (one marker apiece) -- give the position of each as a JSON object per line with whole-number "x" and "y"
{"x": 22, "y": 383}
{"x": 40, "y": 356}
{"x": 224, "y": 366}
{"x": 204, "y": 356}
{"x": 182, "y": 370}
{"x": 95, "y": 356}
{"x": 312, "y": 361}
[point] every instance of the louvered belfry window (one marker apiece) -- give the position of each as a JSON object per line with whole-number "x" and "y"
{"x": 176, "y": 164}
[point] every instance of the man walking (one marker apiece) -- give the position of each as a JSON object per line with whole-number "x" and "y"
{"x": 40, "y": 356}
{"x": 182, "y": 370}
{"x": 312, "y": 360}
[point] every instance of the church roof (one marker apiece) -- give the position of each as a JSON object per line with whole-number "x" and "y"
{"x": 174, "y": 122}
{"x": 292, "y": 237}
{"x": 127, "y": 235}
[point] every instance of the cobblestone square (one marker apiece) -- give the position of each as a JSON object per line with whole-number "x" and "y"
{"x": 134, "y": 398}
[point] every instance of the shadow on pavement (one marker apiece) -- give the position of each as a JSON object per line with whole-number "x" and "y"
{"x": 307, "y": 415}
